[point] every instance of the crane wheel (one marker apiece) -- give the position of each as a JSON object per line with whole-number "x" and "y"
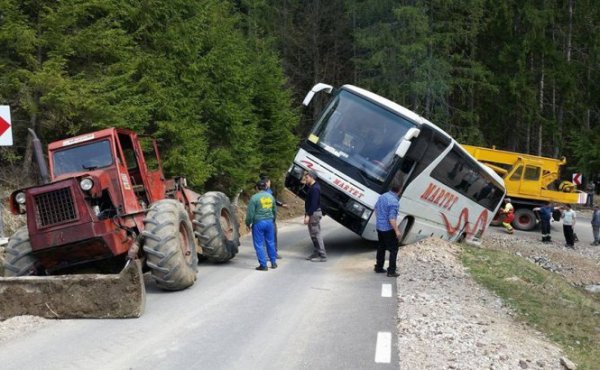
{"x": 169, "y": 245}
{"x": 19, "y": 259}
{"x": 524, "y": 219}
{"x": 216, "y": 227}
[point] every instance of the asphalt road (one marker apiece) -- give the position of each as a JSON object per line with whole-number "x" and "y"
{"x": 303, "y": 315}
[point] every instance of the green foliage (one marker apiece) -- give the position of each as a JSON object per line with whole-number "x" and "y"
{"x": 182, "y": 71}
{"x": 543, "y": 299}
{"x": 586, "y": 148}
{"x": 203, "y": 76}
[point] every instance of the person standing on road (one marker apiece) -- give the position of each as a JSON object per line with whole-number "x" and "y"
{"x": 569, "y": 217}
{"x": 267, "y": 181}
{"x": 313, "y": 216}
{"x": 596, "y": 225}
{"x": 545, "y": 217}
{"x": 508, "y": 212}
{"x": 591, "y": 190}
{"x": 260, "y": 218}
{"x": 388, "y": 234}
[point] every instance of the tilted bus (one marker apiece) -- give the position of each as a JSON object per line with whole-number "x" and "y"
{"x": 361, "y": 143}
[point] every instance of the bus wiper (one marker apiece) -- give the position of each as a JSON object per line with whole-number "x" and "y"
{"x": 366, "y": 177}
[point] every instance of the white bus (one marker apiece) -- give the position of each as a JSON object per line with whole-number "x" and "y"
{"x": 362, "y": 143}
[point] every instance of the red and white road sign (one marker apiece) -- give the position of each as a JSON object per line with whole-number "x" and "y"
{"x": 5, "y": 126}
{"x": 577, "y": 178}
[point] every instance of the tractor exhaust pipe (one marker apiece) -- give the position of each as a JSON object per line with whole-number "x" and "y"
{"x": 39, "y": 157}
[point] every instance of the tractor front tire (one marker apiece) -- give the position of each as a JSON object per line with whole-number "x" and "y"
{"x": 169, "y": 245}
{"x": 217, "y": 227}
{"x": 19, "y": 259}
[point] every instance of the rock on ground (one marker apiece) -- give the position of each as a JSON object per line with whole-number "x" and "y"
{"x": 447, "y": 321}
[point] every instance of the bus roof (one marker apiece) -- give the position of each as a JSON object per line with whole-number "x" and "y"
{"x": 394, "y": 107}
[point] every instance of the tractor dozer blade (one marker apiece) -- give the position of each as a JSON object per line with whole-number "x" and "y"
{"x": 92, "y": 296}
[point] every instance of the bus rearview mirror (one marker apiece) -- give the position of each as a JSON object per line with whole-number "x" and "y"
{"x": 402, "y": 149}
{"x": 318, "y": 87}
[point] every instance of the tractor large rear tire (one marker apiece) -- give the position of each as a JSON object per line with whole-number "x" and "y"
{"x": 19, "y": 259}
{"x": 169, "y": 245}
{"x": 217, "y": 227}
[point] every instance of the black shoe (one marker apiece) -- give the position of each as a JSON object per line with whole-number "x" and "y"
{"x": 312, "y": 256}
{"x": 319, "y": 259}
{"x": 273, "y": 265}
{"x": 379, "y": 270}
{"x": 278, "y": 256}
{"x": 262, "y": 268}
{"x": 393, "y": 274}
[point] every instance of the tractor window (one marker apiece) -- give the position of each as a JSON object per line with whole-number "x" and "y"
{"x": 87, "y": 157}
{"x": 532, "y": 173}
{"x": 517, "y": 174}
{"x": 128, "y": 152}
{"x": 149, "y": 153}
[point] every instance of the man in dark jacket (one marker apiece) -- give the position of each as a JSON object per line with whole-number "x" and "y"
{"x": 545, "y": 217}
{"x": 313, "y": 216}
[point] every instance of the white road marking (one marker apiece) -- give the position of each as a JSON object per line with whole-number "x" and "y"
{"x": 386, "y": 290}
{"x": 383, "y": 349}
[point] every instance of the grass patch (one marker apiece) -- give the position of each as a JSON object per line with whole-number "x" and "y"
{"x": 567, "y": 315}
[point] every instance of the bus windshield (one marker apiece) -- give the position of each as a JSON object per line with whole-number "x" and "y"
{"x": 86, "y": 157}
{"x": 360, "y": 133}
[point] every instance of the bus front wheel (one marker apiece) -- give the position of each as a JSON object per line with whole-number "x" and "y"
{"x": 403, "y": 228}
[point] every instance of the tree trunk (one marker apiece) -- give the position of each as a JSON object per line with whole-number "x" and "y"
{"x": 540, "y": 126}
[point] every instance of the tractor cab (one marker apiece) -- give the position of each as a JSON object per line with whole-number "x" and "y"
{"x": 114, "y": 159}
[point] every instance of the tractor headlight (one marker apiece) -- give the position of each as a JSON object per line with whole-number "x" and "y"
{"x": 86, "y": 184}
{"x": 20, "y": 198}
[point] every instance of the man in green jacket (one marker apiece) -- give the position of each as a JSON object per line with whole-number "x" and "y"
{"x": 260, "y": 218}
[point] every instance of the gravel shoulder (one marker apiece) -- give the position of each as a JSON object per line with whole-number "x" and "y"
{"x": 447, "y": 321}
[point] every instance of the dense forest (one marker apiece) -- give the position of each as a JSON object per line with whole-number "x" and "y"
{"x": 219, "y": 83}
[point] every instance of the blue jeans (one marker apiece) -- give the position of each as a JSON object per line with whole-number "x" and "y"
{"x": 262, "y": 231}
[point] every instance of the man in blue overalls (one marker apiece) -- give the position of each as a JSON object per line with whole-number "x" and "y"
{"x": 260, "y": 216}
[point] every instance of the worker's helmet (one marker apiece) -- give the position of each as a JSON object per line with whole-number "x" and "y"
{"x": 507, "y": 199}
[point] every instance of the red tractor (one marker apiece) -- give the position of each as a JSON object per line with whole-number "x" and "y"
{"x": 105, "y": 201}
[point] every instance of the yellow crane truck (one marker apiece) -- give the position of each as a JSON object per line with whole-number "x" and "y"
{"x": 530, "y": 181}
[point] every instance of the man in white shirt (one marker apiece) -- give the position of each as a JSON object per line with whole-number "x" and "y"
{"x": 568, "y": 216}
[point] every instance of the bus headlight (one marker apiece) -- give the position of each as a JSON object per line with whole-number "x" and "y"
{"x": 20, "y": 198}
{"x": 366, "y": 214}
{"x": 86, "y": 184}
{"x": 355, "y": 208}
{"x": 297, "y": 172}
